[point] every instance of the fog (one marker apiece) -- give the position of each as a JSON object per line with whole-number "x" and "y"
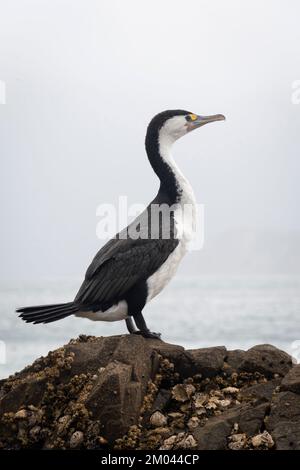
{"x": 83, "y": 79}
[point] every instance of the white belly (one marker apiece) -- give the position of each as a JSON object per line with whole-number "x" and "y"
{"x": 185, "y": 230}
{"x": 115, "y": 313}
{"x": 160, "y": 278}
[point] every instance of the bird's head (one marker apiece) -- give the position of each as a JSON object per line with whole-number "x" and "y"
{"x": 171, "y": 125}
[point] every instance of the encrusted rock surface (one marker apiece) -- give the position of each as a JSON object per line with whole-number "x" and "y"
{"x": 127, "y": 392}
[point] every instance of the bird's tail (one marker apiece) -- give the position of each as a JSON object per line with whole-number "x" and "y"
{"x": 47, "y": 313}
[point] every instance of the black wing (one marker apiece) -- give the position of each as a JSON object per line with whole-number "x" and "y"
{"x": 118, "y": 266}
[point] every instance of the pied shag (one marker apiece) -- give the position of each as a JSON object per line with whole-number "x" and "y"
{"x": 129, "y": 270}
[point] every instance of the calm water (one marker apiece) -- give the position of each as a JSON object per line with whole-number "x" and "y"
{"x": 193, "y": 312}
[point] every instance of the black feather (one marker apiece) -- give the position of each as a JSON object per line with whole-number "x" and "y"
{"x": 47, "y": 313}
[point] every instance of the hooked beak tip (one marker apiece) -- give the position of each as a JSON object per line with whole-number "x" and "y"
{"x": 202, "y": 120}
{"x": 215, "y": 117}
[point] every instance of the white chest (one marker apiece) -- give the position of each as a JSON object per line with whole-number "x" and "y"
{"x": 185, "y": 225}
{"x": 164, "y": 274}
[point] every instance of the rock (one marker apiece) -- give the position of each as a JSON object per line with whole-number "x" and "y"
{"x": 95, "y": 354}
{"x": 224, "y": 403}
{"x": 212, "y": 436}
{"x": 175, "y": 415}
{"x": 283, "y": 422}
{"x": 200, "y": 399}
{"x": 179, "y": 441}
{"x": 211, "y": 405}
{"x": 233, "y": 360}
{"x": 187, "y": 442}
{"x": 158, "y": 420}
{"x": 21, "y": 414}
{"x": 168, "y": 443}
{"x": 183, "y": 392}
{"x": 162, "y": 400}
{"x": 76, "y": 439}
{"x": 230, "y": 390}
{"x": 201, "y": 412}
{"x": 285, "y": 406}
{"x": 267, "y": 360}
{"x": 35, "y": 433}
{"x": 115, "y": 397}
{"x": 207, "y": 361}
{"x": 126, "y": 392}
{"x": 251, "y": 418}
{"x": 185, "y": 407}
{"x": 193, "y": 422}
{"x": 237, "y": 441}
{"x": 26, "y": 387}
{"x": 259, "y": 393}
{"x": 287, "y": 436}
{"x": 115, "y": 400}
{"x": 291, "y": 381}
{"x": 175, "y": 354}
{"x": 63, "y": 424}
{"x": 263, "y": 440}
{"x": 162, "y": 431}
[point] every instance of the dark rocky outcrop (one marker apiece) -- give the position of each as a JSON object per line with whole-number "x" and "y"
{"x": 127, "y": 392}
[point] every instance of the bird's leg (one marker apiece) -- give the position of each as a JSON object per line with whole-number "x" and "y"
{"x": 143, "y": 329}
{"x": 130, "y": 326}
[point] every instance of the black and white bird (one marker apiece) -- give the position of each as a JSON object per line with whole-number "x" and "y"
{"x": 129, "y": 270}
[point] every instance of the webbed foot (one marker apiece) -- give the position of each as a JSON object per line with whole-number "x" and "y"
{"x": 148, "y": 334}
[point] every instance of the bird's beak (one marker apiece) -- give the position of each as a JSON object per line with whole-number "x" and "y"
{"x": 202, "y": 120}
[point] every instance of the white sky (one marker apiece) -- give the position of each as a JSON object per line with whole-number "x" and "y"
{"x": 83, "y": 78}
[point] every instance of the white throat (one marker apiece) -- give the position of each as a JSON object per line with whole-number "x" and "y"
{"x": 185, "y": 211}
{"x": 165, "y": 142}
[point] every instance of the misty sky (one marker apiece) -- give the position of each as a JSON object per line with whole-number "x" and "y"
{"x": 84, "y": 77}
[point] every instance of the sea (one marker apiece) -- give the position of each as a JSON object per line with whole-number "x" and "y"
{"x": 195, "y": 312}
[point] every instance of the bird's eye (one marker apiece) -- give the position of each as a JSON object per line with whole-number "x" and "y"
{"x": 191, "y": 117}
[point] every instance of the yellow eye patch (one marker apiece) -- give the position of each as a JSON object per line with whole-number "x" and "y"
{"x": 193, "y": 117}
